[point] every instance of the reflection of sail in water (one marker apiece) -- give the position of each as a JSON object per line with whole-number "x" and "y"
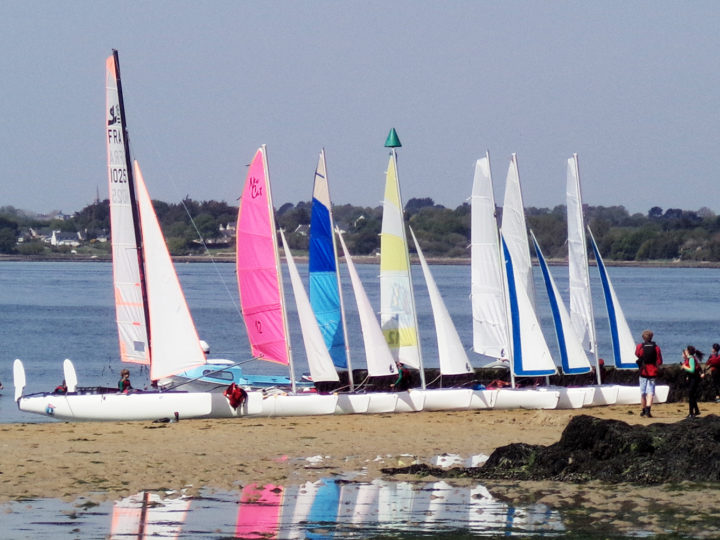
{"x": 395, "y": 501}
{"x": 147, "y": 515}
{"x": 259, "y": 511}
{"x": 294, "y": 514}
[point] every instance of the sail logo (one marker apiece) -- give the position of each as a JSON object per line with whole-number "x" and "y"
{"x": 114, "y": 115}
{"x": 258, "y": 326}
{"x": 256, "y": 189}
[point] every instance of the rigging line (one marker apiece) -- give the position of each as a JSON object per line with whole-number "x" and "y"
{"x": 150, "y": 142}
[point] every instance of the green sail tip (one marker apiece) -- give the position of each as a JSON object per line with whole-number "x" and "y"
{"x": 392, "y": 141}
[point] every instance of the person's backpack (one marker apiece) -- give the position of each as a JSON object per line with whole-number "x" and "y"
{"x": 649, "y": 355}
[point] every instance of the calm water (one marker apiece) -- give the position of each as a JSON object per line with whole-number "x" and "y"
{"x": 53, "y": 311}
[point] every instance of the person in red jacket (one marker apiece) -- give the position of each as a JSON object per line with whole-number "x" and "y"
{"x": 713, "y": 365}
{"x": 649, "y": 357}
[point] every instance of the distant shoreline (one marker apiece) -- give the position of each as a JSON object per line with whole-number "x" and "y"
{"x": 359, "y": 259}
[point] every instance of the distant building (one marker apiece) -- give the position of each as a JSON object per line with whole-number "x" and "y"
{"x": 65, "y": 239}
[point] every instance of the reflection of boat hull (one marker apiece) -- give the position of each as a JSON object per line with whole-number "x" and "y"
{"x": 117, "y": 406}
{"x": 526, "y": 398}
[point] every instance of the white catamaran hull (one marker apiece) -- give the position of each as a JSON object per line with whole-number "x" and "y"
{"x": 526, "y": 398}
{"x": 119, "y": 407}
{"x": 630, "y": 395}
{"x": 574, "y": 397}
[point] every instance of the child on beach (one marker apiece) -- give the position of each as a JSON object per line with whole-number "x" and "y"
{"x": 124, "y": 382}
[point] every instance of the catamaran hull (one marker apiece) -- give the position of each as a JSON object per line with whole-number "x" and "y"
{"x": 526, "y": 398}
{"x": 118, "y": 407}
{"x": 299, "y": 404}
{"x": 630, "y": 395}
{"x": 448, "y": 399}
{"x": 483, "y": 399}
{"x": 574, "y": 397}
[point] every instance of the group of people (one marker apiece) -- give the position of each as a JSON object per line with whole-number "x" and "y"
{"x": 649, "y": 358}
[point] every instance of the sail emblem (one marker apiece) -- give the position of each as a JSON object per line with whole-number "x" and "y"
{"x": 114, "y": 115}
{"x": 256, "y": 189}
{"x": 258, "y": 326}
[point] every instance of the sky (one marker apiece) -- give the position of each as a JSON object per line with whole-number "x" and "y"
{"x": 632, "y": 87}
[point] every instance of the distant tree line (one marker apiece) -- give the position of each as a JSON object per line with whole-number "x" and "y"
{"x": 671, "y": 234}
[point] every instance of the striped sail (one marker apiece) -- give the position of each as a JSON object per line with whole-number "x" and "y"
{"x": 530, "y": 353}
{"x": 451, "y": 353}
{"x": 130, "y": 311}
{"x": 573, "y": 357}
{"x": 318, "y": 357}
{"x": 258, "y": 274}
{"x": 324, "y": 278}
{"x": 397, "y": 304}
{"x": 514, "y": 230}
{"x": 175, "y": 342}
{"x": 379, "y": 359}
{"x": 620, "y": 335}
{"x": 581, "y": 308}
{"x": 490, "y": 327}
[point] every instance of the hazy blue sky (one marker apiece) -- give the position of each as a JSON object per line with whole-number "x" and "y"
{"x": 633, "y": 87}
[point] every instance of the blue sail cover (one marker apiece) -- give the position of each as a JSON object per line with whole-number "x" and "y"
{"x": 324, "y": 294}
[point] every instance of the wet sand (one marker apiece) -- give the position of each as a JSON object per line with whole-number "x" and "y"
{"x": 116, "y": 459}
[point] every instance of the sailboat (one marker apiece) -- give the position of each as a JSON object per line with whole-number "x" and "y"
{"x": 262, "y": 298}
{"x": 398, "y": 316}
{"x": 324, "y": 279}
{"x": 154, "y": 323}
{"x": 581, "y": 301}
{"x": 529, "y": 352}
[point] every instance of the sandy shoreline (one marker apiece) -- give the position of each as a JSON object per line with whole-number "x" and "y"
{"x": 120, "y": 458}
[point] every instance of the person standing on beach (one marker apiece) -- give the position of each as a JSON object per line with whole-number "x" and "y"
{"x": 692, "y": 366}
{"x": 649, "y": 357}
{"x": 713, "y": 364}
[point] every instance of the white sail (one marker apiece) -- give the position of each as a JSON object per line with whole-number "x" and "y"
{"x": 451, "y": 353}
{"x": 622, "y": 340}
{"x": 581, "y": 308}
{"x": 175, "y": 344}
{"x": 573, "y": 357}
{"x": 397, "y": 303}
{"x": 318, "y": 357}
{"x": 490, "y": 327}
{"x": 127, "y": 274}
{"x": 530, "y": 356}
{"x": 380, "y": 361}
{"x": 514, "y": 230}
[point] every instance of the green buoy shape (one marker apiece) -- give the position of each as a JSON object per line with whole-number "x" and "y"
{"x": 392, "y": 141}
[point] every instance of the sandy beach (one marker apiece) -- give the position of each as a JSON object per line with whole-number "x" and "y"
{"x": 119, "y": 458}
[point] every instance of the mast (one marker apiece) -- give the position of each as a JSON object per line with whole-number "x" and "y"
{"x": 273, "y": 229}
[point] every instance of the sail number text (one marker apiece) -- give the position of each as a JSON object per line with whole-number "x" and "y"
{"x": 118, "y": 176}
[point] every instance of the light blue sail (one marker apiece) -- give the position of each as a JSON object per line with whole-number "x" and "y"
{"x": 324, "y": 290}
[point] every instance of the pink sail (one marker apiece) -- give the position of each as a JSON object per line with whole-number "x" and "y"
{"x": 258, "y": 274}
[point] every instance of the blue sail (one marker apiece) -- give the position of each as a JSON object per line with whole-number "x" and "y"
{"x": 324, "y": 291}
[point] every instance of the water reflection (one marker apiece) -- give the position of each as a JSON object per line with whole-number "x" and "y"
{"x": 327, "y": 508}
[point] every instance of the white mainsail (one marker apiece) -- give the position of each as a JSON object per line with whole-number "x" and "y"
{"x": 490, "y": 322}
{"x": 318, "y": 357}
{"x": 397, "y": 303}
{"x": 581, "y": 308}
{"x": 379, "y": 359}
{"x": 130, "y": 311}
{"x": 175, "y": 345}
{"x": 514, "y": 230}
{"x": 452, "y": 357}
